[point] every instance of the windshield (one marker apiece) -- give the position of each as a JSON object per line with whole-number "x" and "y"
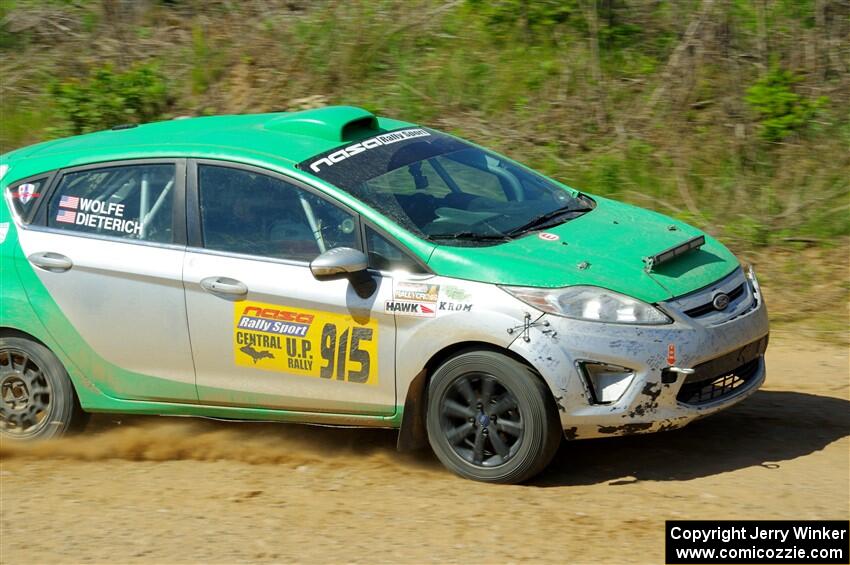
{"x": 446, "y": 190}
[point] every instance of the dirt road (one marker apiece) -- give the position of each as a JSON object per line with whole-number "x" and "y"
{"x": 177, "y": 491}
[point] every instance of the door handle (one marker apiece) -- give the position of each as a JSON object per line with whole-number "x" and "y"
{"x": 49, "y": 261}
{"x": 224, "y": 285}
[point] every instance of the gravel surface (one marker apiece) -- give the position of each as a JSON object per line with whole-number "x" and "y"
{"x": 163, "y": 490}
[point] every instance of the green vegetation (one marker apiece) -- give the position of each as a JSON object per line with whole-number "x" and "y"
{"x": 732, "y": 115}
{"x": 781, "y": 110}
{"x": 107, "y": 98}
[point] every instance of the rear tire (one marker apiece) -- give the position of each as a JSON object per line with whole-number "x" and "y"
{"x": 37, "y": 398}
{"x": 491, "y": 418}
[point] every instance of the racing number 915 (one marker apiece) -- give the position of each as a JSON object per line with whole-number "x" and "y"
{"x": 337, "y": 352}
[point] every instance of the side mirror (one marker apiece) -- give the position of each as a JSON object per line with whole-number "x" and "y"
{"x": 345, "y": 263}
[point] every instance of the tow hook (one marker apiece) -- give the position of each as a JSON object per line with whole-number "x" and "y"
{"x": 670, "y": 374}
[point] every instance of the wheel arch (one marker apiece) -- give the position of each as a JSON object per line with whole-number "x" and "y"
{"x": 78, "y": 416}
{"x": 412, "y": 433}
{"x": 6, "y": 331}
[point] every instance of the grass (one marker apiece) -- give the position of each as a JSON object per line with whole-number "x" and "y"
{"x": 806, "y": 289}
{"x": 741, "y": 128}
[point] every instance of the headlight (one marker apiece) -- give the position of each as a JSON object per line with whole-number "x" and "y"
{"x": 751, "y": 274}
{"x": 589, "y": 303}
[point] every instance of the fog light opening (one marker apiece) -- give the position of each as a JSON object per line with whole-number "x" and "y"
{"x": 606, "y": 383}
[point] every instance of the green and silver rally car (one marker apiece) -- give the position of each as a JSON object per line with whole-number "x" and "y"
{"x": 333, "y": 267}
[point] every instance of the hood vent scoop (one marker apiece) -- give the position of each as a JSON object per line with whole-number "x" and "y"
{"x": 669, "y": 254}
{"x": 334, "y": 123}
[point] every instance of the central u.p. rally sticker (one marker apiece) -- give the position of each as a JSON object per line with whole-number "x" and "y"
{"x": 311, "y": 343}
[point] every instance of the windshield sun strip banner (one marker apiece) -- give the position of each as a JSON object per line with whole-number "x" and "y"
{"x": 353, "y": 164}
{"x": 338, "y": 155}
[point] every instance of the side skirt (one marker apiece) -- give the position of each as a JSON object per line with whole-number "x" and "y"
{"x": 254, "y": 414}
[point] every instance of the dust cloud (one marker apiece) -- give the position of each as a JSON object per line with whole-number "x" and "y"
{"x": 175, "y": 439}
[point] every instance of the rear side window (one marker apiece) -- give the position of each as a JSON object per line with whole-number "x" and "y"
{"x": 25, "y": 196}
{"x": 131, "y": 202}
{"x": 385, "y": 255}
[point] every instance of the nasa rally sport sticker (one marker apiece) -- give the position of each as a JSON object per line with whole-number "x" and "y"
{"x": 309, "y": 343}
{"x": 365, "y": 145}
{"x": 546, "y": 236}
{"x": 414, "y": 299}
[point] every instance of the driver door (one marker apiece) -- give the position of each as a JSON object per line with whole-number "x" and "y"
{"x": 264, "y": 332}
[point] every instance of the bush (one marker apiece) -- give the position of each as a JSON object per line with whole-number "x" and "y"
{"x": 781, "y": 110}
{"x": 539, "y": 15}
{"x": 108, "y": 98}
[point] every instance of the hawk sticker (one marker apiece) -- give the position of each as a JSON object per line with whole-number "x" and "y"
{"x": 414, "y": 299}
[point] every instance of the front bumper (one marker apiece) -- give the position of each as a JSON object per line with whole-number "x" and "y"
{"x": 726, "y": 353}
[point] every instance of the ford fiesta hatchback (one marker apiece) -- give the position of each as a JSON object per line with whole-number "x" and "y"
{"x": 333, "y": 267}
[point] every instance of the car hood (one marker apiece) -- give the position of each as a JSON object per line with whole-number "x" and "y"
{"x": 605, "y": 247}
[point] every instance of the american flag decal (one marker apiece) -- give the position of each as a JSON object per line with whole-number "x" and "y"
{"x": 67, "y": 216}
{"x": 69, "y": 202}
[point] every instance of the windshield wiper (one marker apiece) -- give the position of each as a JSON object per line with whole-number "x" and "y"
{"x": 543, "y": 219}
{"x": 471, "y": 235}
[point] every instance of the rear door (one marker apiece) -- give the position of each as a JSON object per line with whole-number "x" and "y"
{"x": 108, "y": 247}
{"x": 264, "y": 332}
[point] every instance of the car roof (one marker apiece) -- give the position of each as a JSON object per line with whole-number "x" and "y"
{"x": 280, "y": 138}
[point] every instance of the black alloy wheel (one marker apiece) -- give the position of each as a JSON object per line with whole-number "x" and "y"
{"x": 491, "y": 417}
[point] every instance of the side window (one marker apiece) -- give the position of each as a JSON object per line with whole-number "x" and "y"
{"x": 132, "y": 202}
{"x": 247, "y": 212}
{"x": 386, "y": 256}
{"x": 25, "y": 196}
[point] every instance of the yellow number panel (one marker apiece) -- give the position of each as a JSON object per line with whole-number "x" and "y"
{"x": 305, "y": 342}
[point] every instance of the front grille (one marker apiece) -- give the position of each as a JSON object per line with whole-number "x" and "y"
{"x": 721, "y": 376}
{"x": 698, "y": 305}
{"x": 703, "y": 392}
{"x": 708, "y": 307}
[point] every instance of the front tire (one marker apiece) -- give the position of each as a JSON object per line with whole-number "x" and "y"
{"x": 491, "y": 418}
{"x": 37, "y": 399}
